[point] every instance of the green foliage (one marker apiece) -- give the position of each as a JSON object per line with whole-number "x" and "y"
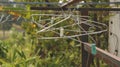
{"x": 18, "y": 51}
{"x": 3, "y": 49}
{"x": 23, "y": 51}
{"x": 60, "y": 52}
{"x": 29, "y": 28}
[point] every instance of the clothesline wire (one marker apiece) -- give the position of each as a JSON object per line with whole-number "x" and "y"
{"x": 52, "y": 3}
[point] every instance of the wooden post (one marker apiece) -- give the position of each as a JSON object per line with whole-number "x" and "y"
{"x": 85, "y": 56}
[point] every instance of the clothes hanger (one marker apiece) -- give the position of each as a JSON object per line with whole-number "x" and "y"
{"x": 50, "y": 26}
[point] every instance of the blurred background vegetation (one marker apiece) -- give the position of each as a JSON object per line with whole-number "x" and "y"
{"x": 20, "y": 46}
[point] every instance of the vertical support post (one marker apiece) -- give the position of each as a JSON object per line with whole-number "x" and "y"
{"x": 84, "y": 53}
{"x": 84, "y": 39}
{"x": 114, "y": 31}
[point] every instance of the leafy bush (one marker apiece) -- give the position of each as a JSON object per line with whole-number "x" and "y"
{"x": 25, "y": 51}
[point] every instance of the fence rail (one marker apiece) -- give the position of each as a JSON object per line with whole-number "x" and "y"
{"x": 105, "y": 56}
